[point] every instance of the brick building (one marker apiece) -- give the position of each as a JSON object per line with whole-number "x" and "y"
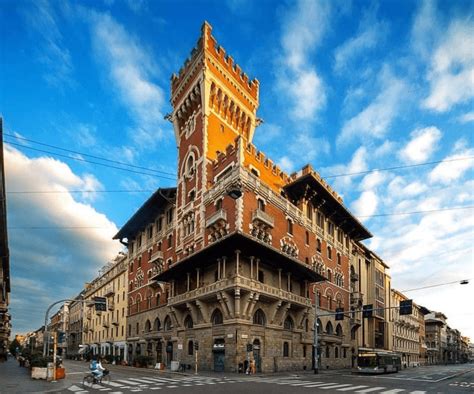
{"x": 230, "y": 256}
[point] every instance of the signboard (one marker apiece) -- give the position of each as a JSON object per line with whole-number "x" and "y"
{"x": 100, "y": 304}
{"x": 180, "y": 346}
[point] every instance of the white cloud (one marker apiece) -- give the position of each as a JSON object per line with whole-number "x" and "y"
{"x": 467, "y": 117}
{"x": 370, "y": 181}
{"x": 37, "y": 247}
{"x": 286, "y": 164}
{"x": 131, "y": 71}
{"x": 376, "y": 118}
{"x": 303, "y": 29}
{"x": 425, "y": 29}
{"x": 451, "y": 74}
{"x": 449, "y": 171}
{"x": 357, "y": 164}
{"x": 366, "y": 204}
{"x": 421, "y": 146}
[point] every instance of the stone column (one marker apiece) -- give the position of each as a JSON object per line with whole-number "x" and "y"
{"x": 237, "y": 261}
{"x": 279, "y": 278}
{"x": 251, "y": 267}
{"x": 197, "y": 277}
{"x": 258, "y": 263}
{"x": 237, "y": 303}
{"x": 223, "y": 266}
{"x": 188, "y": 281}
{"x": 218, "y": 269}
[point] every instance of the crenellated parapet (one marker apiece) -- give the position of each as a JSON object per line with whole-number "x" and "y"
{"x": 267, "y": 163}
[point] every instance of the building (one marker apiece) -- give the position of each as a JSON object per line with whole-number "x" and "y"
{"x": 405, "y": 331}
{"x": 5, "y": 325}
{"x": 370, "y": 285}
{"x": 75, "y": 328}
{"x": 59, "y": 323}
{"x": 104, "y": 331}
{"x": 436, "y": 337}
{"x": 227, "y": 260}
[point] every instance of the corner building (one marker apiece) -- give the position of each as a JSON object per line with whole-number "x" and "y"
{"x": 231, "y": 256}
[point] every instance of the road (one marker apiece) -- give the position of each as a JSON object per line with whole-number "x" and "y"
{"x": 433, "y": 379}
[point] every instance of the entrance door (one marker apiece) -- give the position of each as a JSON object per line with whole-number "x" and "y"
{"x": 219, "y": 358}
{"x": 169, "y": 353}
{"x": 159, "y": 352}
{"x": 256, "y": 355}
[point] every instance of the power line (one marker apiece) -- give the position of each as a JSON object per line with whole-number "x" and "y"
{"x": 437, "y": 285}
{"x": 88, "y": 155}
{"x": 428, "y": 163}
{"x": 385, "y": 214}
{"x": 90, "y": 161}
{"x": 79, "y": 191}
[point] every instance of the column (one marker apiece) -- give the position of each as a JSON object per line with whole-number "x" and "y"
{"x": 218, "y": 269}
{"x": 279, "y": 278}
{"x": 224, "y": 258}
{"x": 237, "y": 261}
{"x": 251, "y": 267}
{"x": 197, "y": 277}
{"x": 258, "y": 263}
{"x": 188, "y": 281}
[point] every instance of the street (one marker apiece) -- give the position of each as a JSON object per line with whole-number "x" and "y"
{"x": 432, "y": 379}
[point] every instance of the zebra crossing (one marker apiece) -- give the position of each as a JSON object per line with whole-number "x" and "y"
{"x": 152, "y": 384}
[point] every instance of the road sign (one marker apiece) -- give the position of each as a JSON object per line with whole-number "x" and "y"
{"x": 100, "y": 304}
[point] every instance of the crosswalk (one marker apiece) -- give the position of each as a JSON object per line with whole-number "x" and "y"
{"x": 150, "y": 383}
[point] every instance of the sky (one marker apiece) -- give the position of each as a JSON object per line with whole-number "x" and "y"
{"x": 349, "y": 87}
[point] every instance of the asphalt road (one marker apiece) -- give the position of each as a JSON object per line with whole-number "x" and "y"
{"x": 125, "y": 380}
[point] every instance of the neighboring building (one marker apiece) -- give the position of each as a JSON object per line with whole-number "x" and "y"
{"x": 75, "y": 331}
{"x": 229, "y": 257}
{"x": 471, "y": 352}
{"x": 104, "y": 331}
{"x": 405, "y": 331}
{"x": 465, "y": 351}
{"x": 59, "y": 325}
{"x": 5, "y": 325}
{"x": 436, "y": 337}
{"x": 370, "y": 285}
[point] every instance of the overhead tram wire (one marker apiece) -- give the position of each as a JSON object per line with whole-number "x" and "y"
{"x": 387, "y": 214}
{"x": 439, "y": 284}
{"x": 92, "y": 162}
{"x": 88, "y": 155}
{"x": 394, "y": 168}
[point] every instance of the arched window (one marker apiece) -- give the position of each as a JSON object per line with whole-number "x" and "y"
{"x": 339, "y": 330}
{"x": 167, "y": 324}
{"x": 190, "y": 166}
{"x": 217, "y": 317}
{"x": 339, "y": 259}
{"x": 329, "y": 328}
{"x": 157, "y": 325}
{"x": 138, "y": 328}
{"x": 157, "y": 297}
{"x": 318, "y": 245}
{"x": 259, "y": 318}
{"x": 147, "y": 326}
{"x": 329, "y": 253}
{"x": 289, "y": 226}
{"x": 288, "y": 325}
{"x": 190, "y": 348}
{"x": 188, "y": 322}
{"x": 286, "y": 349}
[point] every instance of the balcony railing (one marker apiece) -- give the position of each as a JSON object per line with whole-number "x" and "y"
{"x": 156, "y": 256}
{"x": 356, "y": 297}
{"x": 111, "y": 305}
{"x": 109, "y": 291}
{"x": 263, "y": 218}
{"x": 216, "y": 217}
{"x": 105, "y": 323}
{"x": 115, "y": 321}
{"x": 354, "y": 277}
{"x": 356, "y": 321}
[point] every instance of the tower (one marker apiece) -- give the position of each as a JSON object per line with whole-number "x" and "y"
{"x": 214, "y": 103}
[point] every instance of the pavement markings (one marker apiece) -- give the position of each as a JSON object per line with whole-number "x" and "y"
{"x": 418, "y": 392}
{"x": 127, "y": 381}
{"x": 369, "y": 390}
{"x": 320, "y": 384}
{"x": 113, "y": 384}
{"x": 392, "y": 391}
{"x": 335, "y": 386}
{"x": 75, "y": 388}
{"x": 352, "y": 388}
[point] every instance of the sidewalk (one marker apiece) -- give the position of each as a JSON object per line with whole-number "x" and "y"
{"x": 15, "y": 379}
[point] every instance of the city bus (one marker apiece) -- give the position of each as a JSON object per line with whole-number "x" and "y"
{"x": 375, "y": 361}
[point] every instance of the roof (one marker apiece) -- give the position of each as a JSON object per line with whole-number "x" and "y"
{"x": 150, "y": 209}
{"x": 309, "y": 184}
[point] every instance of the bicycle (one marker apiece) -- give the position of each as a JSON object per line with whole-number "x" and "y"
{"x": 90, "y": 379}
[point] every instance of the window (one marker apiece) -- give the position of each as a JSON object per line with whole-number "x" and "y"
{"x": 339, "y": 330}
{"x": 148, "y": 326}
{"x": 190, "y": 348}
{"x": 261, "y": 204}
{"x": 219, "y": 204}
{"x": 329, "y": 253}
{"x": 217, "y": 317}
{"x": 329, "y": 328}
{"x": 138, "y": 328}
{"x": 192, "y": 195}
{"x": 344, "y": 351}
{"x": 190, "y": 166}
{"x": 131, "y": 266}
{"x": 169, "y": 216}
{"x": 286, "y": 349}
{"x": 255, "y": 172}
{"x": 167, "y": 324}
{"x": 331, "y": 228}
{"x": 289, "y": 226}
{"x": 259, "y": 318}
{"x": 170, "y": 241}
{"x": 307, "y": 238}
{"x": 304, "y": 351}
{"x": 159, "y": 224}
{"x": 309, "y": 211}
{"x": 328, "y": 352}
{"x": 188, "y": 322}
{"x": 339, "y": 259}
{"x": 261, "y": 276}
{"x": 157, "y": 325}
{"x": 288, "y": 325}
{"x": 336, "y": 352}
{"x": 340, "y": 235}
{"x": 320, "y": 220}
{"x": 329, "y": 275}
{"x": 150, "y": 232}
{"x": 139, "y": 241}
{"x": 318, "y": 245}
{"x": 140, "y": 261}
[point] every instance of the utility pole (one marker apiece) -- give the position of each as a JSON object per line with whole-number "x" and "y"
{"x": 55, "y": 343}
{"x": 196, "y": 363}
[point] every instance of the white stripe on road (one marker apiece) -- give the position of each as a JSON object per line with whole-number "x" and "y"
{"x": 143, "y": 380}
{"x": 113, "y": 384}
{"x": 75, "y": 388}
{"x": 130, "y": 382}
{"x": 155, "y": 388}
{"x": 352, "y": 388}
{"x": 303, "y": 382}
{"x": 394, "y": 391}
{"x": 171, "y": 387}
{"x": 370, "y": 390}
{"x": 335, "y": 386}
{"x": 320, "y": 385}
{"x": 417, "y": 392}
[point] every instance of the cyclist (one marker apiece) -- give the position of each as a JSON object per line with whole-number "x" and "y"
{"x": 97, "y": 368}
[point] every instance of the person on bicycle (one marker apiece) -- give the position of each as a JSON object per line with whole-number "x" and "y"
{"x": 97, "y": 368}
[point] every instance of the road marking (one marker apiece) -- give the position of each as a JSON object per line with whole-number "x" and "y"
{"x": 352, "y": 388}
{"x": 155, "y": 388}
{"x": 303, "y": 382}
{"x": 75, "y": 388}
{"x": 392, "y": 391}
{"x": 143, "y": 380}
{"x": 105, "y": 389}
{"x": 320, "y": 384}
{"x": 370, "y": 389}
{"x": 335, "y": 387}
{"x": 417, "y": 392}
{"x": 171, "y": 387}
{"x": 113, "y": 384}
{"x": 130, "y": 382}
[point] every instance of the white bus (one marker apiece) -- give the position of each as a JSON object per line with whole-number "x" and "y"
{"x": 378, "y": 362}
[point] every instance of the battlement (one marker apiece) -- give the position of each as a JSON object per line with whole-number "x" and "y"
{"x": 208, "y": 43}
{"x": 308, "y": 170}
{"x": 230, "y": 152}
{"x": 267, "y": 162}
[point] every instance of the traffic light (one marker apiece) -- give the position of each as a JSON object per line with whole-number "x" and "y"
{"x": 249, "y": 347}
{"x": 196, "y": 345}
{"x": 100, "y": 304}
{"x": 406, "y": 307}
{"x": 61, "y": 336}
{"x": 339, "y": 313}
{"x": 367, "y": 310}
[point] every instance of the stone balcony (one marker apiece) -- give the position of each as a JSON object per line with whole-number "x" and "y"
{"x": 156, "y": 256}
{"x": 244, "y": 284}
{"x": 354, "y": 277}
{"x": 111, "y": 305}
{"x": 216, "y": 217}
{"x": 106, "y": 323}
{"x": 109, "y": 291}
{"x": 263, "y": 217}
{"x": 356, "y": 298}
{"x": 355, "y": 320}
{"x": 115, "y": 321}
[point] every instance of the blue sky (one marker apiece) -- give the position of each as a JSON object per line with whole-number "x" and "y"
{"x": 345, "y": 86}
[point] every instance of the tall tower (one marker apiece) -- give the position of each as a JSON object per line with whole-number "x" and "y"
{"x": 214, "y": 103}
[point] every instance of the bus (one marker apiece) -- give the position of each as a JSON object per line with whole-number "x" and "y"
{"x": 375, "y": 361}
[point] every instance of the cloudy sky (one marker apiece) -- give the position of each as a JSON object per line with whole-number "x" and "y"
{"x": 349, "y": 87}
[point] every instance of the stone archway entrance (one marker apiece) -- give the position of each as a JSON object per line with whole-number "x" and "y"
{"x": 169, "y": 353}
{"x": 257, "y": 355}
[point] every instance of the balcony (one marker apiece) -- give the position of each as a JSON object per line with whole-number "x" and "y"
{"x": 216, "y": 217}
{"x": 111, "y": 305}
{"x": 115, "y": 321}
{"x": 263, "y": 217}
{"x": 356, "y": 298}
{"x": 109, "y": 291}
{"x": 354, "y": 277}
{"x": 89, "y": 314}
{"x": 156, "y": 256}
{"x": 356, "y": 320}
{"x": 105, "y": 323}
